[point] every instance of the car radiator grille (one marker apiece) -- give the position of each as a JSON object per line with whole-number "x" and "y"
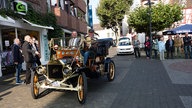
{"x": 55, "y": 72}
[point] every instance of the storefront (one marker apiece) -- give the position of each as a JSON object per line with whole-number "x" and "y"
{"x": 10, "y": 29}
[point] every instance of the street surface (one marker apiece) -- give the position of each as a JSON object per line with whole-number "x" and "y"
{"x": 139, "y": 83}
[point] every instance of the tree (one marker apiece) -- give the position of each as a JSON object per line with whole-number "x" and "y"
{"x": 163, "y": 16}
{"x": 111, "y": 13}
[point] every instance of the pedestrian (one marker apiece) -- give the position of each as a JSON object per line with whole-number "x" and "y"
{"x": 28, "y": 57}
{"x": 74, "y": 41}
{"x": 17, "y": 59}
{"x": 35, "y": 48}
{"x": 169, "y": 45}
{"x": 161, "y": 48}
{"x": 177, "y": 45}
{"x": 147, "y": 47}
{"x": 187, "y": 46}
{"x": 136, "y": 44}
{"x": 155, "y": 46}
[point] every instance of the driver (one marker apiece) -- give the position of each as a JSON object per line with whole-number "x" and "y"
{"x": 88, "y": 46}
{"x": 74, "y": 41}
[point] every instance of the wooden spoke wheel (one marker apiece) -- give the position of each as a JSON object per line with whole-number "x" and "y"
{"x": 34, "y": 87}
{"x": 82, "y": 88}
{"x": 111, "y": 71}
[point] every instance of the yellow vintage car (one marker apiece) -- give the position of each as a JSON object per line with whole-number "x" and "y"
{"x": 65, "y": 70}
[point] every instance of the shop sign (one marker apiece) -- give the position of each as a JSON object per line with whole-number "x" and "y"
{"x": 20, "y": 7}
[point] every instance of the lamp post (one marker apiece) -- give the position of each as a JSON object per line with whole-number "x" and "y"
{"x": 150, "y": 26}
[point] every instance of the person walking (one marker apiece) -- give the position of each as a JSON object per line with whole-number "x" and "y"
{"x": 136, "y": 44}
{"x": 177, "y": 45}
{"x": 28, "y": 57}
{"x": 17, "y": 59}
{"x": 147, "y": 47}
{"x": 187, "y": 46}
{"x": 169, "y": 47}
{"x": 161, "y": 48}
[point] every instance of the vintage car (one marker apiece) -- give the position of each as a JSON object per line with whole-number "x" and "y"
{"x": 65, "y": 71}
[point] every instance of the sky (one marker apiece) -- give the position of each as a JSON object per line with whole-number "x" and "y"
{"x": 95, "y": 3}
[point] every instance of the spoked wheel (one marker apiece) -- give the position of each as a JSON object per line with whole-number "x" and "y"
{"x": 82, "y": 88}
{"x": 34, "y": 87}
{"x": 111, "y": 71}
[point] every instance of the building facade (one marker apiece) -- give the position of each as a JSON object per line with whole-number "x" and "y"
{"x": 70, "y": 15}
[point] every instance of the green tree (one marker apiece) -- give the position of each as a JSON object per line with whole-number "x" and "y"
{"x": 163, "y": 16}
{"x": 111, "y": 13}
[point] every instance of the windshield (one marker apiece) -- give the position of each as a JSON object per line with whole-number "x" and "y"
{"x": 124, "y": 38}
{"x": 124, "y": 43}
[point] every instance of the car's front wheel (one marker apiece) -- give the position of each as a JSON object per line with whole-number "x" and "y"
{"x": 82, "y": 88}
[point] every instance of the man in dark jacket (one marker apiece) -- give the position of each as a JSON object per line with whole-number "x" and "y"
{"x": 187, "y": 46}
{"x": 28, "y": 57}
{"x": 169, "y": 45}
{"x": 17, "y": 59}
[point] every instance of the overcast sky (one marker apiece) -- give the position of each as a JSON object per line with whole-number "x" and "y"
{"x": 95, "y": 3}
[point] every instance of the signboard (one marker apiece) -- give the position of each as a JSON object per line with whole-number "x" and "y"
{"x": 46, "y": 48}
{"x": 20, "y": 7}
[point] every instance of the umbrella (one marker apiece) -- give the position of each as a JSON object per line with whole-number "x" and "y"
{"x": 187, "y": 28}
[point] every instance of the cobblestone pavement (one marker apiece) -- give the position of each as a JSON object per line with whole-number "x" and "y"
{"x": 139, "y": 83}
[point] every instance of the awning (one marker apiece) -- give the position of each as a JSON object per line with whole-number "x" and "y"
{"x": 7, "y": 19}
{"x": 36, "y": 25}
{"x": 187, "y": 28}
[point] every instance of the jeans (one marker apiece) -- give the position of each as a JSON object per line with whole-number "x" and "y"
{"x": 147, "y": 51}
{"x": 18, "y": 68}
{"x": 187, "y": 50}
{"x": 86, "y": 55}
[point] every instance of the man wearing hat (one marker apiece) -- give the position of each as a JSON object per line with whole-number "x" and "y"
{"x": 89, "y": 46}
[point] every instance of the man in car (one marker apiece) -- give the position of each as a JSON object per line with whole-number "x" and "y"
{"x": 89, "y": 46}
{"x": 74, "y": 41}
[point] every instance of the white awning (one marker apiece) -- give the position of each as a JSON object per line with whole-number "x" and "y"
{"x": 7, "y": 19}
{"x": 67, "y": 31}
{"x": 36, "y": 25}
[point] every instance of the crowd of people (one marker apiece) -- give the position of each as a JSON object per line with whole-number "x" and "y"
{"x": 28, "y": 52}
{"x": 173, "y": 47}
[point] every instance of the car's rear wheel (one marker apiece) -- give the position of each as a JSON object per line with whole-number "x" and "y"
{"x": 111, "y": 71}
{"x": 82, "y": 88}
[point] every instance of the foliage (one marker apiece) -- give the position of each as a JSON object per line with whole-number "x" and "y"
{"x": 47, "y": 19}
{"x": 111, "y": 12}
{"x": 163, "y": 16}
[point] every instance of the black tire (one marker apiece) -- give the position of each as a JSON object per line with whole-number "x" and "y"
{"x": 34, "y": 88}
{"x": 111, "y": 71}
{"x": 82, "y": 85}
